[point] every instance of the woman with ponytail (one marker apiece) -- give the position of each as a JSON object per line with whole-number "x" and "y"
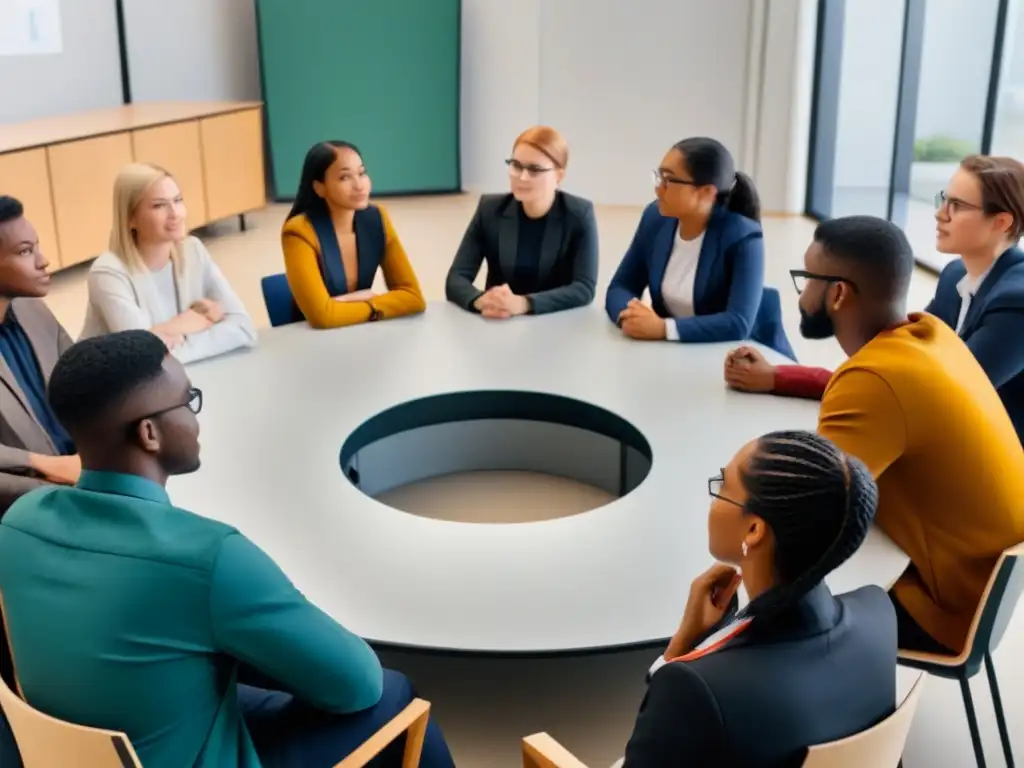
{"x": 796, "y": 666}
{"x": 700, "y": 251}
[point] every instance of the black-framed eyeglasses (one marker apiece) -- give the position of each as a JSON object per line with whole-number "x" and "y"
{"x": 954, "y": 204}
{"x": 801, "y": 276}
{"x": 194, "y": 403}
{"x": 660, "y": 177}
{"x": 715, "y": 489}
{"x": 516, "y": 169}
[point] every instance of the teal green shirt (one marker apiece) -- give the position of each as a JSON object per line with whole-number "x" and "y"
{"x": 129, "y": 614}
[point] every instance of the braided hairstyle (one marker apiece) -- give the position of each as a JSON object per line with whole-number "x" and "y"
{"x": 819, "y": 503}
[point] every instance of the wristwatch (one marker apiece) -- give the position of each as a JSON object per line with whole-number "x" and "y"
{"x": 375, "y": 314}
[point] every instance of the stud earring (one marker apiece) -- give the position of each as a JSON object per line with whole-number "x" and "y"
{"x": 744, "y": 549}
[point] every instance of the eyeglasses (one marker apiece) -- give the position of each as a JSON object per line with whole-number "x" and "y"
{"x": 954, "y": 204}
{"x": 715, "y": 489}
{"x": 194, "y": 403}
{"x": 660, "y": 178}
{"x": 800, "y": 278}
{"x": 517, "y": 169}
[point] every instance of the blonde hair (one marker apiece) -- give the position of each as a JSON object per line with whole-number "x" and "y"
{"x": 548, "y": 141}
{"x": 132, "y": 182}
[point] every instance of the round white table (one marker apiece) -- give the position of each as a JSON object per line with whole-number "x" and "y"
{"x": 275, "y": 420}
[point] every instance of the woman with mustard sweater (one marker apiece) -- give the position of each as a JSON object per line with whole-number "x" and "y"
{"x": 334, "y": 241}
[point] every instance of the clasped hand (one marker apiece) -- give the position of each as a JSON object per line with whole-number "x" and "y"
{"x": 748, "y": 371}
{"x": 640, "y": 321}
{"x": 499, "y": 303}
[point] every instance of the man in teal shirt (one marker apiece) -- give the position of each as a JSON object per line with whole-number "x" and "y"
{"x": 127, "y": 613}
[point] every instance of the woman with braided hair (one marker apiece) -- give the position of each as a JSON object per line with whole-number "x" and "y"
{"x": 797, "y": 666}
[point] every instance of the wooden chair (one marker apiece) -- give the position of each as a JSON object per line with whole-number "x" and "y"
{"x": 994, "y": 611}
{"x": 881, "y": 746}
{"x": 46, "y": 742}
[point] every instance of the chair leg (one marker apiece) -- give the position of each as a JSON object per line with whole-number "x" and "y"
{"x": 997, "y": 701}
{"x": 972, "y": 721}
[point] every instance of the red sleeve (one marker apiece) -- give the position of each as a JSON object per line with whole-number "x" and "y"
{"x": 801, "y": 381}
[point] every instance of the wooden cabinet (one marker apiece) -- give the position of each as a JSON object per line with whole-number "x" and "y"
{"x": 176, "y": 148}
{"x": 233, "y": 163}
{"x": 63, "y": 168}
{"x": 82, "y": 175}
{"x": 26, "y": 176}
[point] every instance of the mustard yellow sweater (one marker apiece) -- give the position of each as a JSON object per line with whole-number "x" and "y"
{"x": 917, "y": 408}
{"x": 301, "y": 260}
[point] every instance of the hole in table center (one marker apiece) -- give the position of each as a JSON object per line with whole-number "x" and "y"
{"x": 496, "y": 456}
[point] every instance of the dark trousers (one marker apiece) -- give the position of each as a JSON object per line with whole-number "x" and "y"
{"x": 911, "y": 637}
{"x": 288, "y": 734}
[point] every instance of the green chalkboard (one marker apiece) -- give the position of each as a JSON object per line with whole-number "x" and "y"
{"x": 383, "y": 74}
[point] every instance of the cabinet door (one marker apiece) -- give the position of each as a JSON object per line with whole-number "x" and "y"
{"x": 26, "y": 176}
{"x": 233, "y": 163}
{"x": 82, "y": 174}
{"x": 175, "y": 147}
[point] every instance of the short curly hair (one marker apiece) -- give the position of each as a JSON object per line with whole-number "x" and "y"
{"x": 97, "y": 374}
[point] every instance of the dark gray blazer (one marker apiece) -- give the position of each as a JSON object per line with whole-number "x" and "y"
{"x": 822, "y": 670}
{"x": 20, "y": 430}
{"x": 568, "y": 259}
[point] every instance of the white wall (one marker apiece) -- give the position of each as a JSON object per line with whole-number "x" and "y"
{"x": 192, "y": 50}
{"x": 623, "y": 81}
{"x": 782, "y": 128}
{"x": 86, "y": 75}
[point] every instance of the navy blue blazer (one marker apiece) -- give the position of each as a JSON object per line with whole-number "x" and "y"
{"x": 822, "y": 670}
{"x": 994, "y": 326}
{"x": 727, "y": 286}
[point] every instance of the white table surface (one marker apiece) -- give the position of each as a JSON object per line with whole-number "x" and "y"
{"x": 274, "y": 420}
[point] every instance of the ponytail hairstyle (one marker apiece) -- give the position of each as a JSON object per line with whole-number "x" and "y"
{"x": 710, "y": 163}
{"x": 819, "y": 504}
{"x": 319, "y": 158}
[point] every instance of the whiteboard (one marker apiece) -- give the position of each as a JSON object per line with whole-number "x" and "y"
{"x": 30, "y": 27}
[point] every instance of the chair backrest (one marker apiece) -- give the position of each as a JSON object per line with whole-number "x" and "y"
{"x": 880, "y": 746}
{"x": 768, "y": 328}
{"x": 412, "y": 721}
{"x": 45, "y": 742}
{"x": 997, "y": 605}
{"x": 278, "y": 299}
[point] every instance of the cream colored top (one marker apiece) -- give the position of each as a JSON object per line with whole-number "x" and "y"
{"x": 121, "y": 300}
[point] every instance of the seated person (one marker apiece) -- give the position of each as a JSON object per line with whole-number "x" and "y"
{"x": 797, "y": 666}
{"x": 157, "y": 277}
{"x": 109, "y": 587}
{"x": 540, "y": 243}
{"x": 914, "y": 404}
{"x": 698, "y": 249}
{"x": 34, "y": 448}
{"x": 981, "y": 295}
{"x": 335, "y": 240}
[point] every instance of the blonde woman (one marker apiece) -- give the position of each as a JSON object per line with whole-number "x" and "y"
{"x": 157, "y": 277}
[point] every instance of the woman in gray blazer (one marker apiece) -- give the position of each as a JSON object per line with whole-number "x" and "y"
{"x": 540, "y": 243}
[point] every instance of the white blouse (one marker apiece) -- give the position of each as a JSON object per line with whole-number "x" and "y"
{"x": 121, "y": 300}
{"x": 677, "y": 284}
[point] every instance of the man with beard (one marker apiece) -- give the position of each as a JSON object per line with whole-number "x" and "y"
{"x": 913, "y": 404}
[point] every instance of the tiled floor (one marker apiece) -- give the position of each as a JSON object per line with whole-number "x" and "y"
{"x": 486, "y": 704}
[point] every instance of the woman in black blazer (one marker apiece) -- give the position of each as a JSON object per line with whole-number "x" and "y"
{"x": 797, "y": 666}
{"x": 540, "y": 243}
